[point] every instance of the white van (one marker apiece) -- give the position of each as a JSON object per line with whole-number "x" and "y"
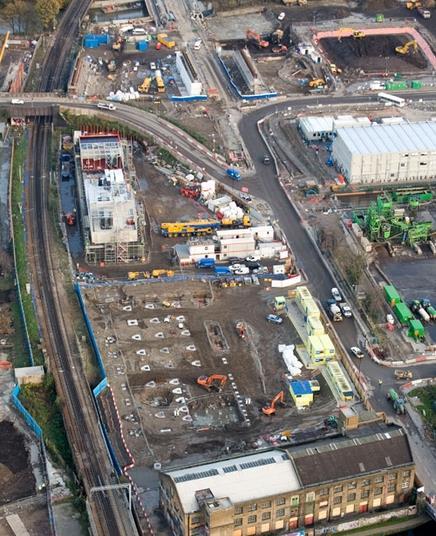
{"x": 106, "y": 106}
{"x": 17, "y": 101}
{"x": 126, "y": 28}
{"x": 139, "y": 31}
{"x": 197, "y": 44}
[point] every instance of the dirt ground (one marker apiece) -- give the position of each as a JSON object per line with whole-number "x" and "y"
{"x": 33, "y": 516}
{"x": 16, "y": 477}
{"x": 373, "y": 53}
{"x": 182, "y": 330}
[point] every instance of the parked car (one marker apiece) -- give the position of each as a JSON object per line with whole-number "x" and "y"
{"x": 253, "y": 258}
{"x": 245, "y": 197}
{"x": 357, "y": 352}
{"x": 234, "y": 260}
{"x": 275, "y": 319}
{"x": 281, "y": 16}
{"x": 234, "y": 174}
{"x": 267, "y": 159}
{"x": 336, "y": 294}
{"x": 152, "y": 66}
{"x": 346, "y": 310}
{"x": 237, "y": 266}
{"x": 243, "y": 270}
{"x": 252, "y": 265}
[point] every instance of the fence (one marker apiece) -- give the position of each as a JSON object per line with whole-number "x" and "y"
{"x": 25, "y": 414}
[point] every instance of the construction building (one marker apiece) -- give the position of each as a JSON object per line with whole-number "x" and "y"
{"x": 323, "y": 128}
{"x": 383, "y": 153}
{"x": 188, "y": 74}
{"x": 301, "y": 486}
{"x": 111, "y": 225}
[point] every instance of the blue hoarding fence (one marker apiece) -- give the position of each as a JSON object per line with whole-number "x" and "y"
{"x": 188, "y": 98}
{"x": 25, "y": 414}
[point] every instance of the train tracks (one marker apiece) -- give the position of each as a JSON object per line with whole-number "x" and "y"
{"x": 109, "y": 514}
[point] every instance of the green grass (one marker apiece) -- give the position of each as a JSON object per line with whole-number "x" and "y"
{"x": 427, "y": 396}
{"x": 20, "y": 248}
{"x": 43, "y": 404}
{"x": 21, "y": 354}
{"x": 167, "y": 157}
{"x": 193, "y": 133}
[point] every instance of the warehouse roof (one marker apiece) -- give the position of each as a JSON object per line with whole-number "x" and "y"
{"x": 237, "y": 478}
{"x": 399, "y": 138}
{"x": 301, "y": 387}
{"x": 317, "y": 124}
{"x": 346, "y": 458}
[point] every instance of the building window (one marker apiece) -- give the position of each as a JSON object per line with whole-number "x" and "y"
{"x": 195, "y": 520}
{"x": 406, "y": 474}
{"x": 280, "y": 501}
{"x": 266, "y": 504}
{"x": 391, "y": 487}
{"x": 323, "y": 492}
{"x": 238, "y": 522}
{"x": 378, "y": 491}
{"x": 379, "y": 479}
{"x": 295, "y": 501}
{"x": 337, "y": 500}
{"x": 365, "y": 483}
{"x": 352, "y": 485}
{"x": 280, "y": 512}
{"x": 266, "y": 516}
{"x": 364, "y": 494}
{"x": 238, "y": 510}
{"x": 351, "y": 497}
{"x": 252, "y": 507}
{"x": 323, "y": 503}
{"x": 392, "y": 476}
{"x": 405, "y": 484}
{"x": 252, "y": 519}
{"x": 310, "y": 497}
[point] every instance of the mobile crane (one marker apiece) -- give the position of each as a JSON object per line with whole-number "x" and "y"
{"x": 196, "y": 227}
{"x": 214, "y": 382}
{"x": 278, "y": 399}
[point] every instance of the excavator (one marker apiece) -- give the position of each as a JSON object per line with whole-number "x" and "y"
{"x": 251, "y": 35}
{"x": 214, "y": 382}
{"x": 413, "y": 4}
{"x": 145, "y": 86}
{"x": 133, "y": 276}
{"x": 271, "y": 409}
{"x": 404, "y": 49}
{"x": 358, "y": 34}
{"x": 317, "y": 83}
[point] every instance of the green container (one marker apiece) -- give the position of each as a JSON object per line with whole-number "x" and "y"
{"x": 403, "y": 313}
{"x": 395, "y": 86}
{"x": 392, "y": 296}
{"x": 416, "y": 329}
{"x": 379, "y": 17}
{"x": 416, "y": 84}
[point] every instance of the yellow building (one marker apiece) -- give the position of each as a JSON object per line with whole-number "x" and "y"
{"x": 329, "y": 348}
{"x": 301, "y": 393}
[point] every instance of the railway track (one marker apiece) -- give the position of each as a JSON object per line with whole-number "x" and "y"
{"x": 109, "y": 512}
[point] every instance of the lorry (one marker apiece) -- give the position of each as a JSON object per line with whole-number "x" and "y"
{"x": 431, "y": 311}
{"x": 189, "y": 228}
{"x": 425, "y": 13}
{"x": 234, "y": 174}
{"x": 403, "y": 374}
{"x": 223, "y": 270}
{"x": 397, "y": 402}
{"x": 162, "y": 38}
{"x": 418, "y": 309}
{"x": 334, "y": 311}
{"x": 205, "y": 263}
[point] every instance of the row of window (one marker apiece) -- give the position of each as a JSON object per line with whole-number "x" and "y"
{"x": 267, "y": 504}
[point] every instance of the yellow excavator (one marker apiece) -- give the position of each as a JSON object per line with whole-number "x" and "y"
{"x": 413, "y": 4}
{"x": 358, "y": 34}
{"x": 145, "y": 86}
{"x": 317, "y": 83}
{"x": 404, "y": 49}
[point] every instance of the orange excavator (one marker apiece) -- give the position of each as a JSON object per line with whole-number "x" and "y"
{"x": 251, "y": 35}
{"x": 278, "y": 399}
{"x": 214, "y": 382}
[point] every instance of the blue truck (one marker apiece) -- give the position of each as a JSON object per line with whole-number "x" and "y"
{"x": 234, "y": 174}
{"x": 206, "y": 263}
{"x": 222, "y": 270}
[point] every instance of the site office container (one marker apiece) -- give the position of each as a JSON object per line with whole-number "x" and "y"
{"x": 416, "y": 329}
{"x": 309, "y": 308}
{"x": 392, "y": 296}
{"x": 314, "y": 326}
{"x": 329, "y": 347}
{"x": 315, "y": 348}
{"x": 302, "y": 293}
{"x": 403, "y": 313}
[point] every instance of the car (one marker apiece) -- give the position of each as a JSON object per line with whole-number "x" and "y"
{"x": 244, "y": 270}
{"x": 234, "y": 267}
{"x": 17, "y": 101}
{"x": 152, "y": 66}
{"x": 336, "y": 294}
{"x": 275, "y": 319}
{"x": 245, "y": 197}
{"x": 281, "y": 16}
{"x": 357, "y": 352}
{"x": 267, "y": 159}
{"x": 197, "y": 44}
{"x": 253, "y": 265}
{"x": 253, "y": 258}
{"x": 346, "y": 310}
{"x": 234, "y": 174}
{"x": 234, "y": 260}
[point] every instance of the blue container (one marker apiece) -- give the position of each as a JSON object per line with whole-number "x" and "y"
{"x": 90, "y": 43}
{"x": 95, "y": 40}
{"x": 142, "y": 45}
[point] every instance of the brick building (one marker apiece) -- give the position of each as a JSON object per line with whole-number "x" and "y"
{"x": 278, "y": 490}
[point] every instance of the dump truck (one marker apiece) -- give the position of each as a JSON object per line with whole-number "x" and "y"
{"x": 431, "y": 311}
{"x": 145, "y": 86}
{"x": 397, "y": 402}
{"x": 189, "y": 228}
{"x": 162, "y": 38}
{"x": 403, "y": 374}
{"x": 159, "y": 82}
{"x": 418, "y": 309}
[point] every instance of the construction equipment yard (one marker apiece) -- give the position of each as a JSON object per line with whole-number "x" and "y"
{"x": 157, "y": 340}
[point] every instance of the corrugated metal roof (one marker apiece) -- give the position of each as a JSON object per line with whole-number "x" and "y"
{"x": 399, "y": 138}
{"x": 317, "y": 124}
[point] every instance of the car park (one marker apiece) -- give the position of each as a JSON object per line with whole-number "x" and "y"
{"x": 275, "y": 319}
{"x": 336, "y": 294}
{"x": 357, "y": 352}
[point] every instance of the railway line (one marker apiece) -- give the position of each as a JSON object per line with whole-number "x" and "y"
{"x": 108, "y": 511}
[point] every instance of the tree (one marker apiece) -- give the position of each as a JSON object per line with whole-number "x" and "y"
{"x": 19, "y": 14}
{"x": 47, "y": 11}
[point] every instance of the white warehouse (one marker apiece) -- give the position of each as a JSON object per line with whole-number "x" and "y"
{"x": 404, "y": 152}
{"x": 187, "y": 74}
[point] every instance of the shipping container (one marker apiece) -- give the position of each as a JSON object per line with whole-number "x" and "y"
{"x": 403, "y": 313}
{"x": 416, "y": 329}
{"x": 315, "y": 348}
{"x": 309, "y": 309}
{"x": 142, "y": 45}
{"x": 90, "y": 43}
{"x": 392, "y": 296}
{"x": 395, "y": 86}
{"x": 416, "y": 84}
{"x": 329, "y": 348}
{"x": 100, "y": 39}
{"x": 314, "y": 326}
{"x": 302, "y": 293}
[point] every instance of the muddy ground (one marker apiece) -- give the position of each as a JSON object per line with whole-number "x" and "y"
{"x": 16, "y": 477}
{"x": 181, "y": 331}
{"x": 373, "y": 54}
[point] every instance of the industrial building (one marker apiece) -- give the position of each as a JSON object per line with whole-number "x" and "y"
{"x": 111, "y": 223}
{"x": 325, "y": 481}
{"x": 404, "y": 152}
{"x": 322, "y": 128}
{"x": 188, "y": 74}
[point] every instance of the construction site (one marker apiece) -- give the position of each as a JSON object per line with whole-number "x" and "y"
{"x": 187, "y": 379}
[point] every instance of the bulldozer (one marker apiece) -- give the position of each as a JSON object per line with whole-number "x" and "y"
{"x": 317, "y": 83}
{"x": 404, "y": 49}
{"x": 214, "y": 382}
{"x": 278, "y": 399}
